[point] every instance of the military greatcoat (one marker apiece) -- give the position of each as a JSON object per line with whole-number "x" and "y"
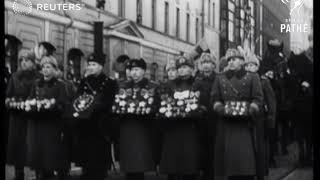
{"x": 137, "y": 142}
{"x": 235, "y": 149}
{"x": 182, "y": 147}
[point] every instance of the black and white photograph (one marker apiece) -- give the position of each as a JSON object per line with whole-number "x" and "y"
{"x": 158, "y": 90}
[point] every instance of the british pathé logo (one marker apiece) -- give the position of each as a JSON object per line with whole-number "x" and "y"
{"x": 296, "y": 22}
{"x": 294, "y": 5}
{"x": 17, "y": 7}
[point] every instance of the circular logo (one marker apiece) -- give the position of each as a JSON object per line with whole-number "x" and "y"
{"x": 17, "y": 7}
{"x": 295, "y": 5}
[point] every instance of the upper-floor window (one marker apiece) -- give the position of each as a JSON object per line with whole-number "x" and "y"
{"x": 139, "y": 11}
{"x": 188, "y": 27}
{"x": 154, "y": 13}
{"x": 166, "y": 18}
{"x": 213, "y": 15}
{"x": 178, "y": 23}
{"x": 197, "y": 29}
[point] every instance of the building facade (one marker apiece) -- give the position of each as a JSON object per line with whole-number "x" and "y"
{"x": 303, "y": 17}
{"x": 275, "y": 13}
{"x": 156, "y": 30}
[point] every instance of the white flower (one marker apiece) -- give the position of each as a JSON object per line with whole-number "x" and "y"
{"x": 132, "y": 105}
{"x": 180, "y": 103}
{"x": 163, "y": 103}
{"x": 194, "y": 106}
{"x": 142, "y": 104}
{"x": 122, "y": 103}
{"x": 162, "y": 110}
{"x": 53, "y": 101}
{"x": 28, "y": 108}
{"x": 33, "y": 102}
{"x": 168, "y": 114}
{"x": 185, "y": 94}
{"x": 188, "y": 109}
{"x": 176, "y": 95}
{"x": 148, "y": 110}
{"x": 150, "y": 100}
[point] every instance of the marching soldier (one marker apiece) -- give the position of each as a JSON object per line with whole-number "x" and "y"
{"x": 46, "y": 150}
{"x": 265, "y": 127}
{"x": 206, "y": 78}
{"x": 135, "y": 105}
{"x": 19, "y": 88}
{"x": 92, "y": 106}
{"x": 237, "y": 96}
{"x": 181, "y": 107}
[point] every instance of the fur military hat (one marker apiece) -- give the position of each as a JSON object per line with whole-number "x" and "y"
{"x": 252, "y": 59}
{"x": 98, "y": 58}
{"x": 232, "y": 53}
{"x": 141, "y": 63}
{"x": 182, "y": 60}
{"x": 24, "y": 53}
{"x": 170, "y": 65}
{"x": 207, "y": 57}
{"x": 50, "y": 60}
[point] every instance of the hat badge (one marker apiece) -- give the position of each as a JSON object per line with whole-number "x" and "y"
{"x": 182, "y": 60}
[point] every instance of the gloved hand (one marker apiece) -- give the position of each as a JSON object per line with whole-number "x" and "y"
{"x": 253, "y": 109}
{"x": 218, "y": 107}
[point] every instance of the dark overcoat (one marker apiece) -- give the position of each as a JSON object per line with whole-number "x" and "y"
{"x": 235, "y": 150}
{"x": 208, "y": 123}
{"x": 46, "y": 148}
{"x": 137, "y": 142}
{"x": 266, "y": 125}
{"x": 19, "y": 87}
{"x": 182, "y": 147}
{"x": 93, "y": 148}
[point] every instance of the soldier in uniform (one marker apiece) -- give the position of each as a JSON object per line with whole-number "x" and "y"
{"x": 136, "y": 116}
{"x": 46, "y": 148}
{"x": 265, "y": 127}
{"x": 206, "y": 78}
{"x": 237, "y": 97}
{"x": 19, "y": 87}
{"x": 181, "y": 151}
{"x": 92, "y": 106}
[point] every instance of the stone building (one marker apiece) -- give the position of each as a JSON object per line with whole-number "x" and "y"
{"x": 157, "y": 30}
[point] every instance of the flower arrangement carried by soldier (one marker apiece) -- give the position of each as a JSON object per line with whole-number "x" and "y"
{"x": 30, "y": 104}
{"x": 134, "y": 101}
{"x": 236, "y": 108}
{"x": 182, "y": 104}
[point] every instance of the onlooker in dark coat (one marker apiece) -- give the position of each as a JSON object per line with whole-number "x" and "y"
{"x": 206, "y": 78}
{"x": 266, "y": 126}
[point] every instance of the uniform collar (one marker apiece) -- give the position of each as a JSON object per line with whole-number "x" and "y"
{"x": 143, "y": 82}
{"x": 239, "y": 74}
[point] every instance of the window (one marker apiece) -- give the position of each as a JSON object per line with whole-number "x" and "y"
{"x": 166, "y": 18}
{"x": 178, "y": 23}
{"x": 139, "y": 11}
{"x": 209, "y": 12}
{"x": 188, "y": 27}
{"x": 121, "y": 8}
{"x": 213, "y": 15}
{"x": 197, "y": 29}
{"x": 154, "y": 12}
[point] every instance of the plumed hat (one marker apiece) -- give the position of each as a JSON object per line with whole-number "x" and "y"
{"x": 49, "y": 59}
{"x": 24, "y": 53}
{"x": 232, "y": 53}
